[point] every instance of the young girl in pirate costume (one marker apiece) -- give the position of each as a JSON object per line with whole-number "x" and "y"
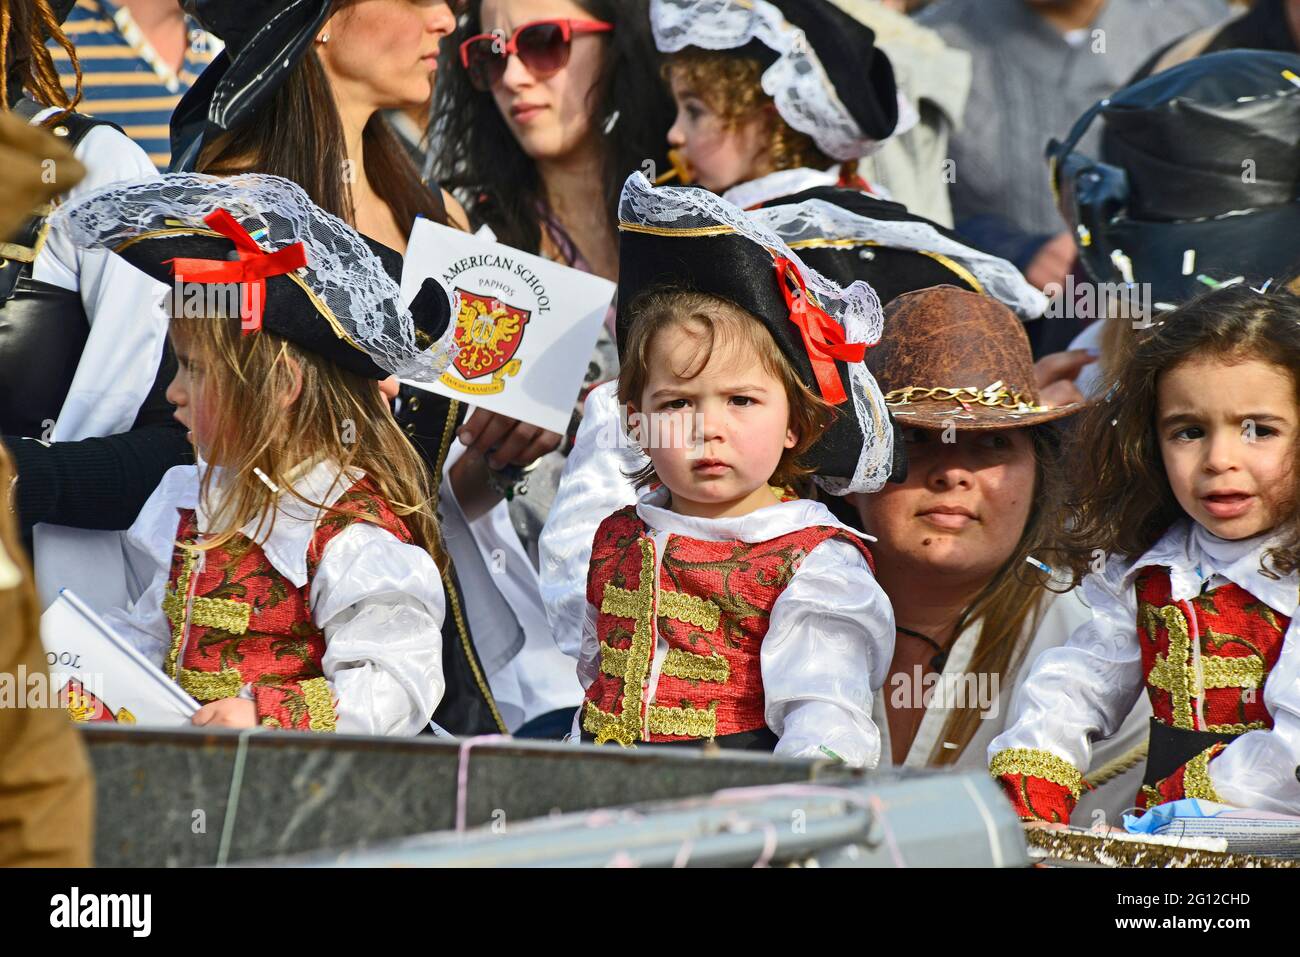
{"x": 1193, "y": 503}
{"x": 787, "y": 159}
{"x": 289, "y": 580}
{"x": 720, "y": 606}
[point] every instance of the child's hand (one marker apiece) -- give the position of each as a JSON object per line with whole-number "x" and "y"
{"x": 227, "y": 713}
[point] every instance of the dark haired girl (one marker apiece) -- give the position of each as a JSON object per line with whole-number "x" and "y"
{"x": 1183, "y": 532}
{"x": 540, "y": 141}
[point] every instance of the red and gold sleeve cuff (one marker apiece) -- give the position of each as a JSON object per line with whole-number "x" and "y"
{"x": 1040, "y": 785}
{"x": 300, "y": 705}
{"x": 1192, "y": 780}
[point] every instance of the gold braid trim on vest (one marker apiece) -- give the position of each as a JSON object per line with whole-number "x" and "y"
{"x": 677, "y": 664}
{"x": 211, "y": 685}
{"x": 625, "y": 728}
{"x": 689, "y": 609}
{"x": 1196, "y": 777}
{"x": 321, "y": 715}
{"x": 1220, "y": 672}
{"x": 684, "y": 722}
{"x": 224, "y": 614}
{"x": 1173, "y": 673}
{"x": 683, "y": 664}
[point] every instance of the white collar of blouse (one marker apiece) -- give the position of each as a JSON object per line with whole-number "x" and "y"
{"x": 295, "y": 521}
{"x": 1193, "y": 556}
{"x": 784, "y": 182}
{"x": 761, "y": 525}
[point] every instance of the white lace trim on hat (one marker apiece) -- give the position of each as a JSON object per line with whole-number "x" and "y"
{"x": 856, "y": 308}
{"x": 797, "y": 81}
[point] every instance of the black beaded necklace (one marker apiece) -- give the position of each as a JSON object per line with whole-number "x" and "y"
{"x": 940, "y": 658}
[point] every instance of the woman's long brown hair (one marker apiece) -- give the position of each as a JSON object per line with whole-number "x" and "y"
{"x": 299, "y": 135}
{"x": 1013, "y": 597}
{"x": 25, "y": 61}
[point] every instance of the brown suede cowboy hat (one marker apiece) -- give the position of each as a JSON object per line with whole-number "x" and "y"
{"x": 952, "y": 357}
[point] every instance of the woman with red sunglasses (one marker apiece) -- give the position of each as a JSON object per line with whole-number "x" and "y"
{"x": 551, "y": 103}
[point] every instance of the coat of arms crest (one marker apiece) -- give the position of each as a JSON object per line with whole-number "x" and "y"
{"x": 488, "y": 332}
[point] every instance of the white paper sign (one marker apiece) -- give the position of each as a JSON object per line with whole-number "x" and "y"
{"x": 526, "y": 326}
{"x": 98, "y": 676}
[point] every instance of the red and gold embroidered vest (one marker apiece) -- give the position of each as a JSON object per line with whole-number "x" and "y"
{"x": 1204, "y": 662}
{"x": 711, "y": 603}
{"x": 236, "y": 620}
{"x": 1236, "y": 640}
{"x": 1239, "y": 639}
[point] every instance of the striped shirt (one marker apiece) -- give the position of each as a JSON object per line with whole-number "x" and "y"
{"x": 124, "y": 79}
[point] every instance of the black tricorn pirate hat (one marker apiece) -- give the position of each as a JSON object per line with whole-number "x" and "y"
{"x": 263, "y": 43}
{"x": 1198, "y": 175}
{"x": 853, "y": 74}
{"x": 687, "y": 238}
{"x": 846, "y": 234}
{"x": 299, "y": 272}
{"x": 859, "y": 71}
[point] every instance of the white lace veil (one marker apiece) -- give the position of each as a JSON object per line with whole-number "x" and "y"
{"x": 796, "y": 81}
{"x": 856, "y": 307}
{"x": 817, "y": 222}
{"x": 342, "y": 270}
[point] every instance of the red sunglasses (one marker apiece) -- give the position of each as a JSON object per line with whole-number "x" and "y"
{"x": 542, "y": 46}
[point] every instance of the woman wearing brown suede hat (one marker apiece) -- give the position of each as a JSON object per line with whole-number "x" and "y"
{"x": 963, "y": 541}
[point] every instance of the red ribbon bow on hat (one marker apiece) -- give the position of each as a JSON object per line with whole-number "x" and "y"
{"x": 251, "y": 270}
{"x": 823, "y": 337}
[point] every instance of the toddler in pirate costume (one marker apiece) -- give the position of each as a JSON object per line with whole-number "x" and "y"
{"x": 720, "y": 606}
{"x": 288, "y": 575}
{"x": 1192, "y": 499}
{"x": 787, "y": 158}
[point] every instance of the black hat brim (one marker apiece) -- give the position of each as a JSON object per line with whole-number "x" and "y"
{"x": 847, "y": 50}
{"x": 1257, "y": 245}
{"x": 264, "y": 44}
{"x": 430, "y": 309}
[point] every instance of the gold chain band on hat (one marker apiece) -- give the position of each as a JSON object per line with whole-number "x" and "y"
{"x": 995, "y": 395}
